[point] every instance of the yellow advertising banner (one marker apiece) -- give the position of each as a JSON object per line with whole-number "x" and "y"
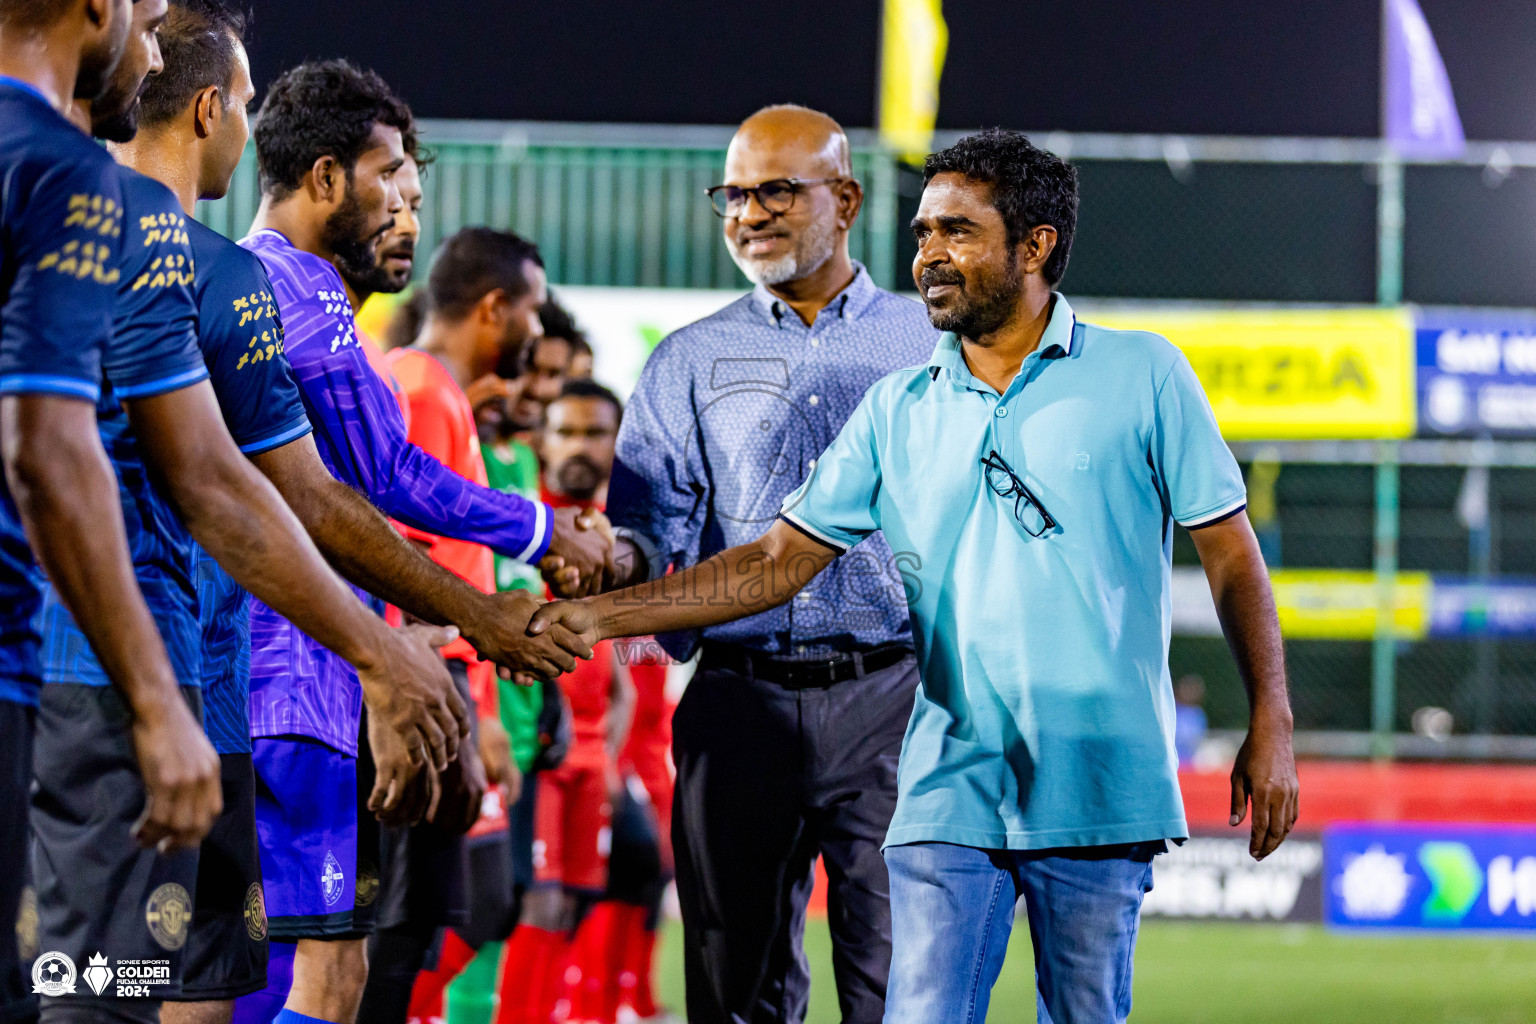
{"x": 1283, "y": 374}
{"x": 1340, "y": 604}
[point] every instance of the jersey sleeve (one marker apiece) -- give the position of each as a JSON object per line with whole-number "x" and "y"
{"x": 64, "y": 244}
{"x": 361, "y": 435}
{"x": 838, "y": 503}
{"x": 154, "y": 345}
{"x": 242, "y": 337}
{"x": 1197, "y": 475}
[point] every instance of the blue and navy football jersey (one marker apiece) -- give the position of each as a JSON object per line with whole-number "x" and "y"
{"x": 154, "y": 350}
{"x": 242, "y": 341}
{"x": 60, "y": 230}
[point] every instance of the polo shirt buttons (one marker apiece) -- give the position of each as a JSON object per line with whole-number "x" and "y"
{"x": 815, "y": 342}
{"x": 1002, "y": 411}
{"x": 814, "y": 400}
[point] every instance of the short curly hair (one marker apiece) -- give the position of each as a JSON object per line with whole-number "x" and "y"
{"x": 1030, "y": 187}
{"x": 323, "y": 108}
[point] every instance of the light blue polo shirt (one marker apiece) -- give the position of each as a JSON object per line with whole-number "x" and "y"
{"x": 1045, "y": 716}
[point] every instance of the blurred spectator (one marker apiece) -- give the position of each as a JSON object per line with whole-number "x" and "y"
{"x": 1189, "y": 723}
{"x": 581, "y": 359}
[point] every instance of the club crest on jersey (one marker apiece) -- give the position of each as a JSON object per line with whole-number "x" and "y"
{"x": 255, "y": 913}
{"x": 367, "y": 884}
{"x": 332, "y": 881}
{"x": 168, "y": 913}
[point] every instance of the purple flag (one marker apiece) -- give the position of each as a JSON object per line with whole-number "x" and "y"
{"x": 1418, "y": 111}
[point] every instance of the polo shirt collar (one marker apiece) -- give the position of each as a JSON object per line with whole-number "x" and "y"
{"x": 1055, "y": 343}
{"x": 848, "y": 304}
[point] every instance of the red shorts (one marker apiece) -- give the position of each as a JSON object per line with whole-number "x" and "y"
{"x": 572, "y": 831}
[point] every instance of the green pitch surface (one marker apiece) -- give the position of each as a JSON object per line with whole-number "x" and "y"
{"x": 1257, "y": 974}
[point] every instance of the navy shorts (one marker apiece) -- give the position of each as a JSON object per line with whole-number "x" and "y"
{"x": 306, "y": 824}
{"x": 226, "y": 953}
{"x": 98, "y": 892}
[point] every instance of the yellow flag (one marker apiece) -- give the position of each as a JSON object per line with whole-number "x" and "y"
{"x": 913, "y": 41}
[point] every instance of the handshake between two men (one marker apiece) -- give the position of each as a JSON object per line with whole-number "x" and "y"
{"x": 431, "y": 765}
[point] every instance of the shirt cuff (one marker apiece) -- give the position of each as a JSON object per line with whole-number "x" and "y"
{"x": 277, "y": 440}
{"x": 49, "y": 384}
{"x": 1216, "y": 515}
{"x": 543, "y": 534}
{"x": 813, "y": 533}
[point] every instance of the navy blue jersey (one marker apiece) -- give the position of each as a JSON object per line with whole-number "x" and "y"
{"x": 60, "y": 229}
{"x": 242, "y": 340}
{"x": 154, "y": 350}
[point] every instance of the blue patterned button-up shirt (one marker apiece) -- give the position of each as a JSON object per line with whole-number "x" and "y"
{"x": 728, "y": 418}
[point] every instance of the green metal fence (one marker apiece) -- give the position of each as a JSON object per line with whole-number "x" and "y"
{"x": 604, "y": 211}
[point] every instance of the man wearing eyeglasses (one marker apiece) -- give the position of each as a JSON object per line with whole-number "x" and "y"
{"x": 787, "y": 738}
{"x": 1033, "y": 469}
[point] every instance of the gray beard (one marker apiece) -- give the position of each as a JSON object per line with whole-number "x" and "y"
{"x": 816, "y": 247}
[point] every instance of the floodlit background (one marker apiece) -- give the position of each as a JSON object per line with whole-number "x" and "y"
{"x": 1330, "y": 205}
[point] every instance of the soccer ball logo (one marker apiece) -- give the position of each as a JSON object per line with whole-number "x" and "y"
{"x": 53, "y": 974}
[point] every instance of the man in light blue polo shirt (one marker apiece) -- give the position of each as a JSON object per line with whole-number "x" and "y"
{"x": 1028, "y": 478}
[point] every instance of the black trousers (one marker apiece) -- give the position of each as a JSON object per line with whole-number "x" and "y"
{"x": 767, "y": 780}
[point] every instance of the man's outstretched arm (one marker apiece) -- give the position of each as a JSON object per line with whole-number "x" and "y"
{"x": 359, "y": 429}
{"x": 235, "y": 514}
{"x": 738, "y": 582}
{"x": 367, "y": 550}
{"x": 1265, "y": 771}
{"x": 67, "y": 496}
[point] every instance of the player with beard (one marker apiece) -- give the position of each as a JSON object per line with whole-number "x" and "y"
{"x": 393, "y": 261}
{"x": 61, "y": 225}
{"x": 329, "y": 141}
{"x": 194, "y": 130}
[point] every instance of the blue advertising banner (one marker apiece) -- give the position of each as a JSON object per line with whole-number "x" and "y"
{"x": 1461, "y": 607}
{"x": 1476, "y": 372}
{"x": 1381, "y": 875}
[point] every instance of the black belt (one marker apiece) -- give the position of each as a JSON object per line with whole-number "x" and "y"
{"x": 803, "y": 675}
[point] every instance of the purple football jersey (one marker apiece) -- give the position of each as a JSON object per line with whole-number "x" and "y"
{"x": 297, "y": 686}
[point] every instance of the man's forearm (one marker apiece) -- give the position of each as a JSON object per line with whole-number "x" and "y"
{"x": 734, "y": 584}
{"x": 1245, "y": 605}
{"x": 67, "y": 496}
{"x": 366, "y": 549}
{"x": 233, "y": 512}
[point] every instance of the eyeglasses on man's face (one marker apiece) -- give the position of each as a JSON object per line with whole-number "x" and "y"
{"x": 1027, "y": 509}
{"x": 776, "y": 196}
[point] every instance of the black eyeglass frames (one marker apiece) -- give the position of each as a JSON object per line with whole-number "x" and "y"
{"x": 1027, "y": 509}
{"x": 776, "y": 196}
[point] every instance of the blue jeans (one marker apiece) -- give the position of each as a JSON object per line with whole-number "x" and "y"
{"x": 952, "y": 910}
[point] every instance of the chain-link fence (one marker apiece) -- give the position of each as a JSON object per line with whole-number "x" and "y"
{"x": 1466, "y": 519}
{"x": 1232, "y": 219}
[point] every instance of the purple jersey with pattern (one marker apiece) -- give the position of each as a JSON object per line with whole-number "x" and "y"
{"x": 297, "y": 686}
